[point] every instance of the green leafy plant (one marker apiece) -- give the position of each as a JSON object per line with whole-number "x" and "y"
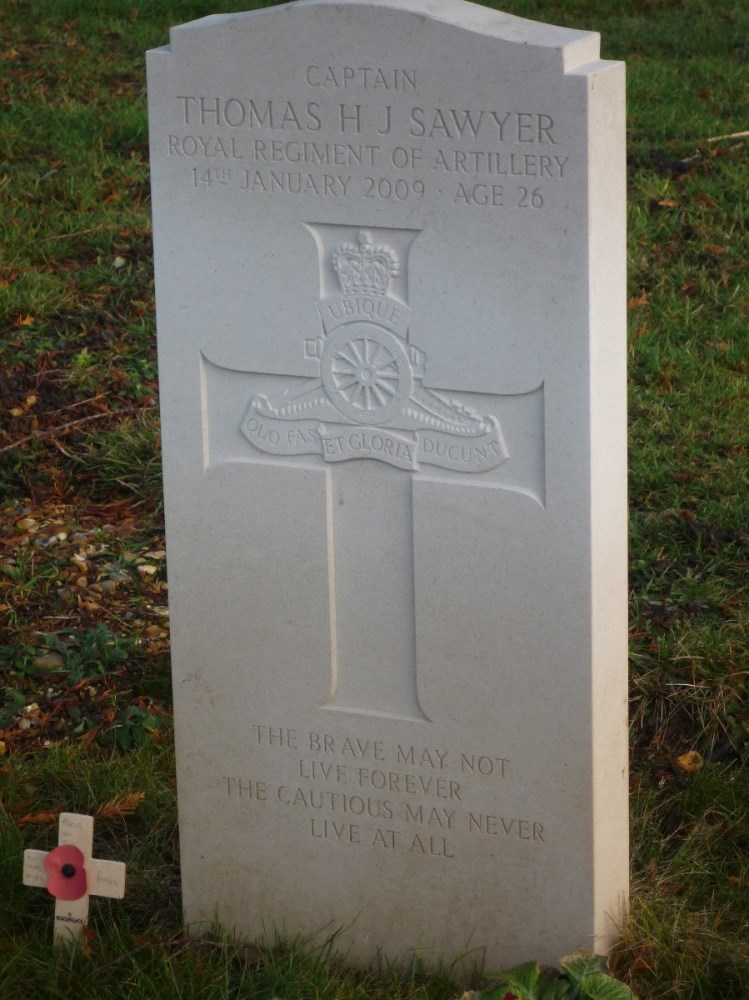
{"x": 132, "y": 726}
{"x": 94, "y": 651}
{"x": 583, "y": 977}
{"x": 11, "y": 703}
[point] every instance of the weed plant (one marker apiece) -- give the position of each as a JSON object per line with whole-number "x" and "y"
{"x": 84, "y": 686}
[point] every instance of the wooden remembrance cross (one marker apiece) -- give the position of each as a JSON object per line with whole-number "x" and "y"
{"x": 370, "y": 402}
{"x": 71, "y": 875}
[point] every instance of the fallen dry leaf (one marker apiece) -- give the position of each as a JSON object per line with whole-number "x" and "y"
{"x": 38, "y": 818}
{"x": 705, "y": 200}
{"x": 155, "y": 632}
{"x": 122, "y": 806}
{"x": 640, "y": 300}
{"x": 690, "y": 762}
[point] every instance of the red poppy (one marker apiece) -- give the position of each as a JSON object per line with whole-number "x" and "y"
{"x": 67, "y": 876}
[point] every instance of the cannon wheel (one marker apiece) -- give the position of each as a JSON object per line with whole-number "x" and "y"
{"x": 366, "y": 372}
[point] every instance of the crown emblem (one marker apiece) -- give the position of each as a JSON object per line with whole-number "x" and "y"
{"x": 365, "y": 269}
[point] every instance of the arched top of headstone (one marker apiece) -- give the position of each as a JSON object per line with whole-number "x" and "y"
{"x": 568, "y": 48}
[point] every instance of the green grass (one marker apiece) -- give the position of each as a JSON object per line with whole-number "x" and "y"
{"x": 137, "y": 947}
{"x": 79, "y": 458}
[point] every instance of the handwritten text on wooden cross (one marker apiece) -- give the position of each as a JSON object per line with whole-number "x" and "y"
{"x": 98, "y": 878}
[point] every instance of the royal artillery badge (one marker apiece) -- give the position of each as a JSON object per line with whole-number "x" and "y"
{"x": 370, "y": 400}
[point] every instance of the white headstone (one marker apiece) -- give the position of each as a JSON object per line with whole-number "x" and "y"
{"x": 90, "y": 876}
{"x": 391, "y": 306}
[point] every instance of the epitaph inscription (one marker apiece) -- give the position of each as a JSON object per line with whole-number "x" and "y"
{"x": 374, "y": 793}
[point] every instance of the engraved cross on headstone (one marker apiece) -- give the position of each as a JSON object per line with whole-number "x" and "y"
{"x": 371, "y": 418}
{"x": 73, "y": 876}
